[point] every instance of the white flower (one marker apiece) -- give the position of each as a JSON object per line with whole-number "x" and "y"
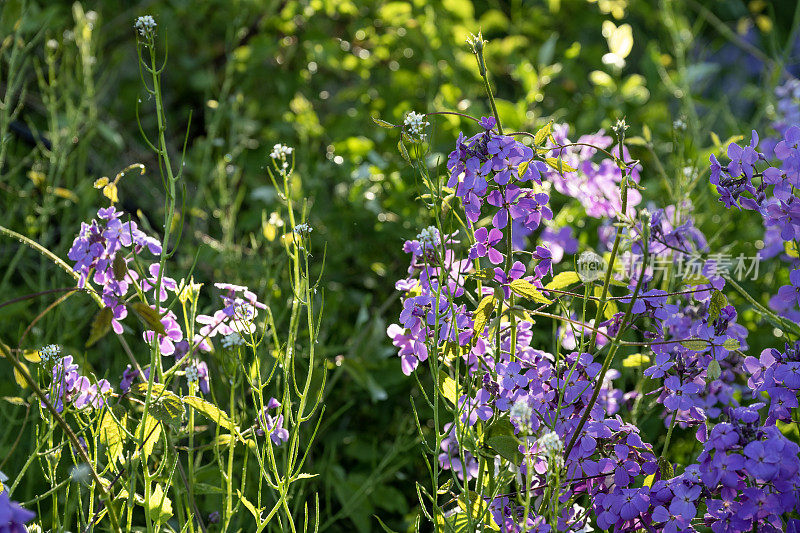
{"x": 521, "y": 413}
{"x": 145, "y": 25}
{"x": 234, "y": 339}
{"x": 415, "y": 124}
{"x": 303, "y": 229}
{"x": 49, "y": 352}
{"x": 280, "y": 153}
{"x": 192, "y": 374}
{"x": 552, "y": 447}
{"x": 429, "y": 237}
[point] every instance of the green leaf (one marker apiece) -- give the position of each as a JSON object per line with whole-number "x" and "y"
{"x": 478, "y": 508}
{"x": 112, "y": 435}
{"x": 382, "y": 123}
{"x": 558, "y": 164}
{"x": 484, "y": 274}
{"x": 731, "y": 344}
{"x": 714, "y": 371}
{"x": 211, "y": 411}
{"x": 160, "y": 509}
{"x": 543, "y": 133}
{"x": 667, "y": 472}
{"x": 457, "y": 523}
{"x": 507, "y": 446}
{"x": 448, "y": 387}
{"x": 525, "y": 289}
{"x": 167, "y": 409}
{"x": 403, "y": 151}
{"x": 563, "y": 279}
{"x": 101, "y": 325}
{"x": 695, "y": 345}
{"x": 119, "y": 267}
{"x": 149, "y": 316}
{"x": 152, "y": 432}
{"x": 718, "y": 301}
{"x": 481, "y": 315}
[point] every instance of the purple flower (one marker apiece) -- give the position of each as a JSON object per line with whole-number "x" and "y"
{"x": 485, "y": 242}
{"x": 791, "y": 293}
{"x": 12, "y": 516}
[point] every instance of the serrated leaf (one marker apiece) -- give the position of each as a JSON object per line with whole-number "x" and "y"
{"x": 152, "y": 432}
{"x": 403, "y": 151}
{"x": 526, "y": 290}
{"x": 456, "y": 523}
{"x": 112, "y": 436}
{"x": 141, "y": 389}
{"x": 149, "y": 316}
{"x": 160, "y": 509}
{"x": 507, "y": 446}
{"x": 167, "y": 409}
{"x": 563, "y": 279}
{"x": 558, "y": 164}
{"x": 542, "y": 134}
{"x": 718, "y": 301}
{"x": 448, "y": 387}
{"x": 19, "y": 378}
{"x": 481, "y": 315}
{"x": 101, "y": 325}
{"x": 731, "y": 344}
{"x": 484, "y": 274}
{"x": 382, "y": 123}
{"x": 695, "y": 345}
{"x": 211, "y": 411}
{"x": 478, "y": 508}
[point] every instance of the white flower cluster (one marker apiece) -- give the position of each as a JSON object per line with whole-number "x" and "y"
{"x": 49, "y": 352}
{"x": 520, "y": 414}
{"x": 234, "y": 339}
{"x": 429, "y": 237}
{"x": 192, "y": 374}
{"x": 281, "y": 152}
{"x": 415, "y": 125}
{"x": 552, "y": 447}
{"x": 303, "y": 229}
{"x": 145, "y": 25}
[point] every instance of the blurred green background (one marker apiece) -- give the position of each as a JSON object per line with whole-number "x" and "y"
{"x": 312, "y": 74}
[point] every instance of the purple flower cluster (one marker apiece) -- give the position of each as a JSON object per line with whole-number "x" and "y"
{"x": 95, "y": 252}
{"x": 268, "y": 424}
{"x": 68, "y": 386}
{"x": 594, "y": 184}
{"x": 747, "y": 475}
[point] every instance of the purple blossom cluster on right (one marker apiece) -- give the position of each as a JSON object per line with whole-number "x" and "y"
{"x": 746, "y": 474}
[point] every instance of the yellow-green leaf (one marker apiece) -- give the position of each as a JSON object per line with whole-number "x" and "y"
{"x": 448, "y": 387}
{"x": 481, "y": 315}
{"x": 718, "y": 301}
{"x": 543, "y": 133}
{"x": 152, "y": 432}
{"x": 160, "y": 505}
{"x": 211, "y": 411}
{"x": 558, "y": 164}
{"x": 112, "y": 436}
{"x": 635, "y": 360}
{"x": 695, "y": 345}
{"x": 563, "y": 279}
{"x": 382, "y": 123}
{"x": 526, "y": 290}
{"x": 149, "y": 316}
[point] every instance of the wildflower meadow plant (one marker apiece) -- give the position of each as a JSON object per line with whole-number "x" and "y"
{"x": 531, "y": 434}
{"x": 139, "y": 438}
